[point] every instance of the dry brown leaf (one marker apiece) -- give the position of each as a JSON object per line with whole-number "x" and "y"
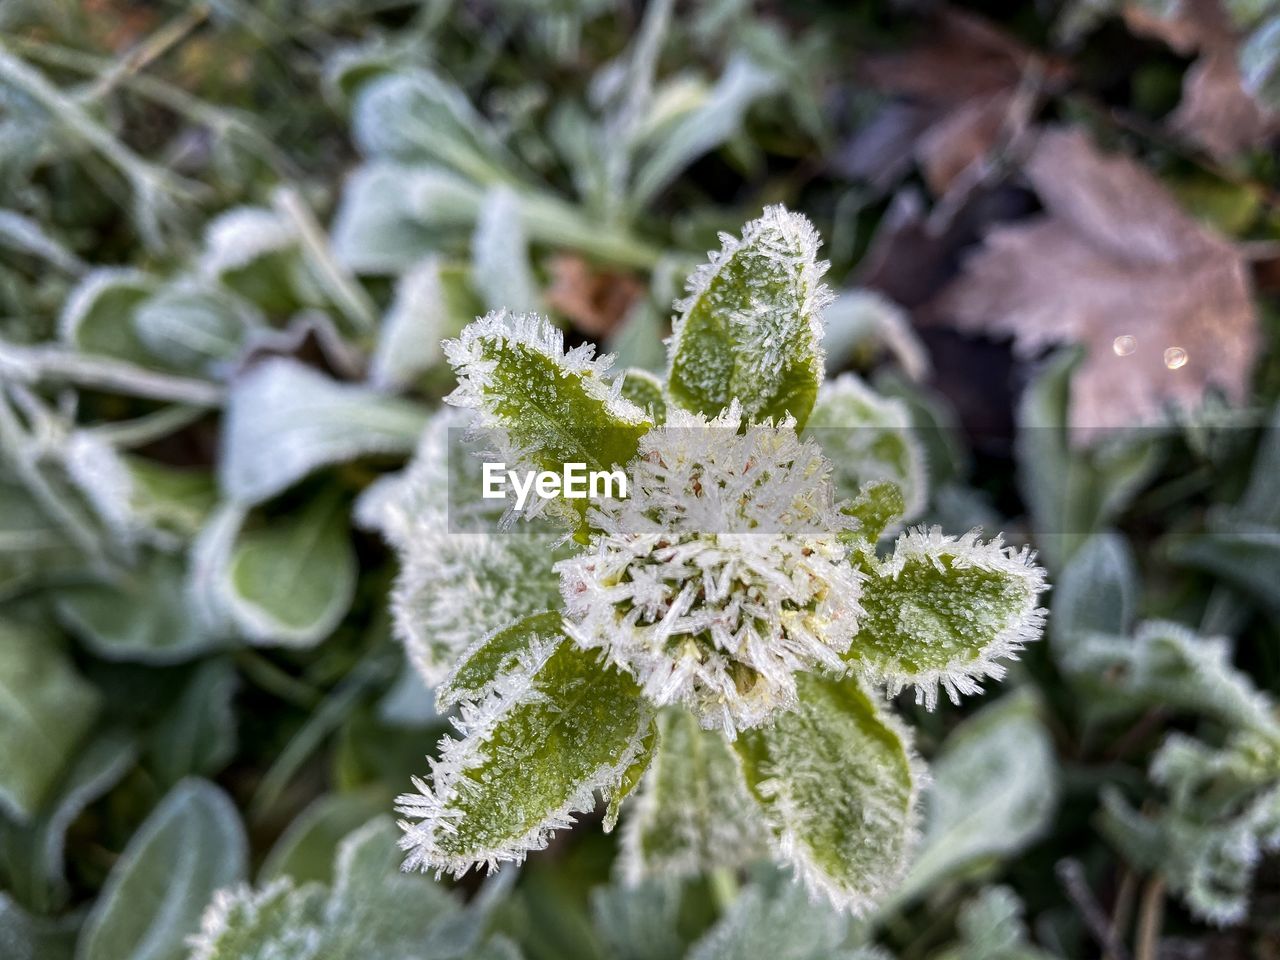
{"x": 961, "y": 90}
{"x": 595, "y": 300}
{"x": 1215, "y": 112}
{"x": 1161, "y": 303}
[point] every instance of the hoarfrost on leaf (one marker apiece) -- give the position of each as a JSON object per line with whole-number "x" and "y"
{"x": 751, "y": 327}
{"x": 946, "y": 610}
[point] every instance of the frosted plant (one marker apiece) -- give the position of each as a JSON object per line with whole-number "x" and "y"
{"x": 725, "y": 629}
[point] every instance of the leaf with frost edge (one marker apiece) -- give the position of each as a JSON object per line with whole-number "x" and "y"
{"x": 961, "y": 674}
{"x": 478, "y": 723}
{"x": 807, "y": 308}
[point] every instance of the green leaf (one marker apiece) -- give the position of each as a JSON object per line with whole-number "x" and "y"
{"x": 991, "y": 928}
{"x": 197, "y": 735}
{"x": 289, "y": 582}
{"x": 693, "y": 813}
{"x": 645, "y": 390}
{"x": 1241, "y": 554}
{"x": 33, "y": 549}
{"x": 877, "y": 507}
{"x": 391, "y": 216}
{"x": 24, "y": 937}
{"x": 945, "y": 610}
{"x": 46, "y": 708}
{"x": 531, "y": 755}
{"x": 31, "y": 853}
{"x": 191, "y": 845}
{"x": 500, "y": 269}
{"x": 141, "y": 617}
{"x": 371, "y": 910}
{"x": 868, "y": 438}
{"x": 1165, "y": 665}
{"x": 420, "y": 118}
{"x": 284, "y": 420}
{"x": 96, "y": 316}
{"x": 994, "y": 791}
{"x": 198, "y": 329}
{"x": 672, "y": 147}
{"x": 751, "y": 327}
{"x": 775, "y": 920}
{"x": 551, "y": 406}
{"x": 837, "y": 780}
{"x": 1096, "y": 593}
{"x": 513, "y": 648}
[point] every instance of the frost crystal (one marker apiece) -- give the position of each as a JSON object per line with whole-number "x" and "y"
{"x": 723, "y": 574}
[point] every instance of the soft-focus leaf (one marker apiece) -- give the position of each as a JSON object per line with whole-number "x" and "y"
{"x": 419, "y": 118}
{"x": 305, "y": 851}
{"x": 142, "y": 618}
{"x": 46, "y": 708}
{"x": 24, "y": 937}
{"x": 946, "y": 610}
{"x": 96, "y": 316}
{"x": 192, "y": 844}
{"x": 369, "y": 909}
{"x": 868, "y": 437}
{"x": 291, "y": 581}
{"x": 1166, "y": 665}
{"x": 31, "y": 854}
{"x": 645, "y": 390}
{"x": 530, "y": 756}
{"x": 991, "y": 928}
{"x": 751, "y": 326}
{"x": 197, "y": 735}
{"x": 500, "y": 270}
{"x": 391, "y": 216}
{"x": 693, "y": 813}
{"x": 837, "y": 780}
{"x": 201, "y": 330}
{"x": 640, "y": 922}
{"x": 1097, "y": 592}
{"x": 994, "y": 791}
{"x": 284, "y": 420}
{"x": 717, "y": 118}
{"x": 433, "y": 300}
{"x": 1220, "y": 815}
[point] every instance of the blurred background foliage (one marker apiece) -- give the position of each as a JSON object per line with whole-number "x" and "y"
{"x": 232, "y": 235}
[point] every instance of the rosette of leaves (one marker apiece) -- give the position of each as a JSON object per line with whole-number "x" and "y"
{"x": 724, "y": 632}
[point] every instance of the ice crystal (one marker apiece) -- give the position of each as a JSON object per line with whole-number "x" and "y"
{"x": 723, "y": 574}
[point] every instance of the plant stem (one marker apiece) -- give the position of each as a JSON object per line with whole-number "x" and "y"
{"x": 724, "y": 888}
{"x": 33, "y": 364}
{"x": 1150, "y": 919}
{"x": 151, "y": 49}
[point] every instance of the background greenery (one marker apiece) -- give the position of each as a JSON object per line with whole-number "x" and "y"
{"x": 233, "y": 235}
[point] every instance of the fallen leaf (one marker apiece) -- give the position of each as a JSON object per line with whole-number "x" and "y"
{"x": 1161, "y": 303}
{"x": 595, "y": 300}
{"x": 964, "y": 92}
{"x": 1216, "y": 111}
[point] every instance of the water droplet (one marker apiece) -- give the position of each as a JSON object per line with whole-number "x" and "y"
{"x": 1125, "y": 345}
{"x": 1175, "y": 357}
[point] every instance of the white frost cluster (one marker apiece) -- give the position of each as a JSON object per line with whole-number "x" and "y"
{"x": 723, "y": 574}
